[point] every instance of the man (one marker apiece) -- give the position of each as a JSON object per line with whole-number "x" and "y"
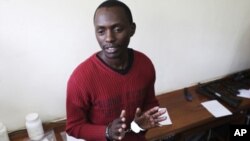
{"x": 110, "y": 96}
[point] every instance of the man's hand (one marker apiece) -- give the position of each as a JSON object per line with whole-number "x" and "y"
{"x": 150, "y": 118}
{"x": 117, "y": 127}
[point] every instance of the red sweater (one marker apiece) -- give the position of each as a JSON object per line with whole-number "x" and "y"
{"x": 96, "y": 95}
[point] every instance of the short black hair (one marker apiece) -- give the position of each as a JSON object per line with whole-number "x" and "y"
{"x": 113, "y": 3}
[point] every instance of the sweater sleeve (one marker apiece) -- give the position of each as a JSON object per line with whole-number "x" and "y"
{"x": 77, "y": 107}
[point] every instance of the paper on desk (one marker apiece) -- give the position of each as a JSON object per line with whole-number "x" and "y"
{"x": 216, "y": 108}
{"x": 244, "y": 93}
{"x": 167, "y": 121}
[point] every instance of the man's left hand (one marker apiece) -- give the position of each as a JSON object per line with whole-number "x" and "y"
{"x": 150, "y": 118}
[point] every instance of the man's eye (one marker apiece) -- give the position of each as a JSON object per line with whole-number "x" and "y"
{"x": 117, "y": 29}
{"x": 100, "y": 31}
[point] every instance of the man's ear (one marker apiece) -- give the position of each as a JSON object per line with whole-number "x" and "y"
{"x": 133, "y": 28}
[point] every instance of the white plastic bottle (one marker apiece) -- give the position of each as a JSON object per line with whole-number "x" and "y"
{"x": 34, "y": 126}
{"x": 3, "y": 133}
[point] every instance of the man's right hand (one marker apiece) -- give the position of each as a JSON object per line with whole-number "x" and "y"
{"x": 117, "y": 127}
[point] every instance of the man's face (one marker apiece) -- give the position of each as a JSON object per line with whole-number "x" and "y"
{"x": 113, "y": 31}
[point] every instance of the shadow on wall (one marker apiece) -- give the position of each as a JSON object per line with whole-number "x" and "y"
{"x": 241, "y": 59}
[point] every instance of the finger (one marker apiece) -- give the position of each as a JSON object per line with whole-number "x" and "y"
{"x": 119, "y": 125}
{"x": 120, "y": 137}
{"x": 159, "y": 119}
{"x": 120, "y": 130}
{"x": 123, "y": 113}
{"x": 120, "y": 134}
{"x": 159, "y": 113}
{"x": 137, "y": 112}
{"x": 124, "y": 126}
{"x": 117, "y": 137}
{"x": 123, "y": 119}
{"x": 152, "y": 110}
{"x": 162, "y": 110}
{"x": 117, "y": 122}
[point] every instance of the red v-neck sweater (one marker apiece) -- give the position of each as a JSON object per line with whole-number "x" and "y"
{"x": 96, "y": 95}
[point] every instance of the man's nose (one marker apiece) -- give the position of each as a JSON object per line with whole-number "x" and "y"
{"x": 110, "y": 37}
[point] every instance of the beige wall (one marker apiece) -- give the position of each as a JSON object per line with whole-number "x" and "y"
{"x": 42, "y": 41}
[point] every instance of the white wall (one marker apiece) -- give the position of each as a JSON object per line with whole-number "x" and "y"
{"x": 42, "y": 41}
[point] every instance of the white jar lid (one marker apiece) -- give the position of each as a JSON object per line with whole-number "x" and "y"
{"x": 32, "y": 117}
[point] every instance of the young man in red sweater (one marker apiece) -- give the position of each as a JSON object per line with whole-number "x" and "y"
{"x": 111, "y": 96}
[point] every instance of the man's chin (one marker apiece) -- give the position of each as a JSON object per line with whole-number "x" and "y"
{"x": 112, "y": 55}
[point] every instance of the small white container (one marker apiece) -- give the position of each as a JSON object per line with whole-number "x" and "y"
{"x": 3, "y": 133}
{"x": 34, "y": 126}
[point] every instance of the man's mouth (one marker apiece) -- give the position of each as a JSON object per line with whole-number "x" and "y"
{"x": 111, "y": 49}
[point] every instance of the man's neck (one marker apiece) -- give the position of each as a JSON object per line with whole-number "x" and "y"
{"x": 115, "y": 63}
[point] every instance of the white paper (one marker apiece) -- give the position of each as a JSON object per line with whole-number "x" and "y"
{"x": 244, "y": 93}
{"x": 167, "y": 121}
{"x": 216, "y": 108}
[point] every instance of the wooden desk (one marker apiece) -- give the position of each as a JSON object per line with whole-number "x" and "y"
{"x": 190, "y": 117}
{"x": 187, "y": 117}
